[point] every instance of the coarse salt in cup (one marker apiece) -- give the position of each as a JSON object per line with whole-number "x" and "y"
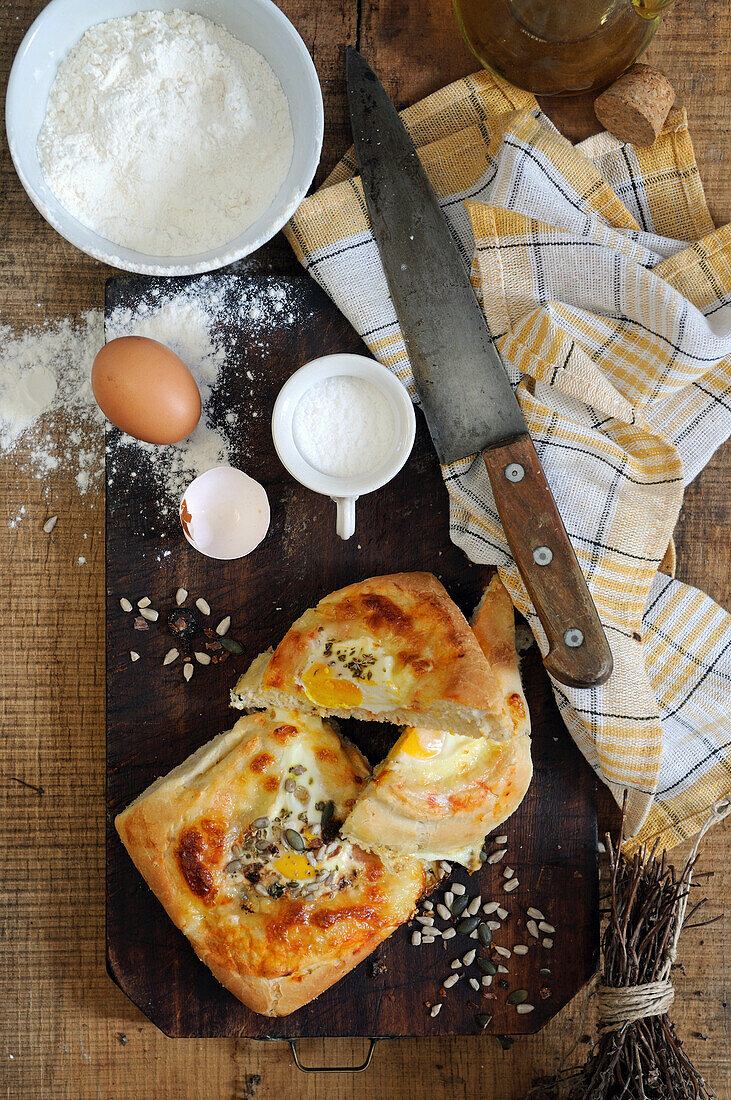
{"x": 343, "y": 426}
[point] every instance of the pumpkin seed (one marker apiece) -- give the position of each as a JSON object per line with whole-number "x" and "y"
{"x": 483, "y": 1019}
{"x": 459, "y": 905}
{"x": 294, "y": 840}
{"x": 487, "y": 966}
{"x": 484, "y": 934}
{"x": 469, "y": 924}
{"x": 505, "y": 1041}
{"x": 232, "y": 646}
{"x": 327, "y": 814}
{"x": 261, "y": 823}
{"x": 518, "y": 997}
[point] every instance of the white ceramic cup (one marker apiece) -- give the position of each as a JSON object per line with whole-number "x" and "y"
{"x": 343, "y": 490}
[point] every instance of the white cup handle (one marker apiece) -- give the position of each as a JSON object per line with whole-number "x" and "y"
{"x": 346, "y": 516}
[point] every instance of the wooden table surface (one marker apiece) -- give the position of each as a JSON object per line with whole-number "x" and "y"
{"x": 67, "y": 1033}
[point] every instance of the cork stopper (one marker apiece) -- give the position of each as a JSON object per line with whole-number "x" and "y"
{"x": 635, "y": 107}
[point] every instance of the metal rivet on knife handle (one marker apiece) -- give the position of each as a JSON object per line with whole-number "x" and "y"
{"x": 573, "y": 637}
{"x": 514, "y": 472}
{"x": 542, "y": 555}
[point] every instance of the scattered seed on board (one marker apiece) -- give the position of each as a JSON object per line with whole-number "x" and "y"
{"x": 502, "y": 913}
{"x": 545, "y": 970}
{"x": 435, "y": 1010}
{"x": 548, "y": 943}
{"x": 495, "y": 857}
{"x": 511, "y": 884}
{"x": 223, "y": 626}
{"x": 483, "y": 1019}
{"x": 144, "y": 602}
{"x": 474, "y": 983}
{"x": 469, "y": 958}
{"x": 125, "y": 604}
{"x": 502, "y": 969}
{"x": 484, "y": 934}
{"x": 416, "y": 938}
{"x": 170, "y": 656}
{"x": 490, "y": 907}
{"x": 535, "y": 913}
{"x": 181, "y": 596}
{"x": 518, "y": 997}
{"x": 459, "y": 905}
{"x": 449, "y": 934}
{"x": 450, "y": 981}
{"x": 532, "y": 928}
{"x": 486, "y": 980}
{"x": 202, "y": 658}
{"x": 448, "y": 898}
{"x": 473, "y": 935}
{"x": 427, "y": 939}
{"x": 443, "y": 912}
{"x": 504, "y": 951}
{"x": 474, "y": 906}
{"x": 187, "y": 670}
{"x": 493, "y": 925}
{"x": 50, "y": 524}
{"x": 203, "y": 606}
{"x": 520, "y": 949}
{"x": 456, "y": 964}
{"x": 424, "y": 920}
{"x": 508, "y": 872}
{"x": 502, "y": 839}
{"x": 467, "y": 926}
{"x": 444, "y": 867}
{"x": 134, "y": 656}
{"x": 457, "y": 888}
{"x": 149, "y": 614}
{"x": 546, "y": 927}
{"x": 427, "y": 906}
{"x": 523, "y": 1009}
{"x": 487, "y": 966}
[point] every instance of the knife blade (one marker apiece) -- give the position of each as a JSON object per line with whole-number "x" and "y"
{"x": 467, "y": 398}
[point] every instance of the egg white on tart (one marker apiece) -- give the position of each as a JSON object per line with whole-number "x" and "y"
{"x": 394, "y": 648}
{"x": 241, "y": 845}
{"x": 437, "y": 794}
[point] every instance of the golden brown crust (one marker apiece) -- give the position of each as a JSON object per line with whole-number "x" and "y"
{"x": 274, "y": 953}
{"x": 494, "y": 627}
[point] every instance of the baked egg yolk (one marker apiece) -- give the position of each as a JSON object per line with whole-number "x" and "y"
{"x": 325, "y": 690}
{"x": 422, "y": 744}
{"x": 293, "y": 865}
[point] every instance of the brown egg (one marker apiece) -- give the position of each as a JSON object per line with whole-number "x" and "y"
{"x": 146, "y": 390}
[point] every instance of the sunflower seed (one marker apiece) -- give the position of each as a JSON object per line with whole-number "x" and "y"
{"x": 444, "y": 867}
{"x": 486, "y": 980}
{"x": 483, "y": 1019}
{"x": 468, "y": 925}
{"x": 125, "y": 604}
{"x": 504, "y": 951}
{"x": 457, "y": 888}
{"x": 546, "y": 927}
{"x": 203, "y": 606}
{"x": 261, "y": 890}
{"x": 427, "y": 939}
{"x": 490, "y": 907}
{"x": 456, "y": 964}
{"x": 518, "y": 997}
{"x": 289, "y": 785}
{"x": 493, "y": 925}
{"x": 487, "y": 966}
{"x": 237, "y": 851}
{"x": 301, "y": 794}
{"x": 261, "y": 823}
{"x": 502, "y": 839}
{"x": 502, "y": 913}
{"x": 181, "y": 596}
{"x": 473, "y": 935}
{"x": 532, "y": 928}
{"x": 450, "y": 981}
{"x": 170, "y": 656}
{"x": 435, "y": 1010}
{"x": 469, "y": 958}
{"x": 495, "y": 857}
{"x": 484, "y": 934}
{"x": 144, "y": 602}
{"x": 149, "y": 614}
{"x": 548, "y": 943}
{"x": 523, "y": 1009}
{"x": 449, "y": 934}
{"x": 535, "y": 913}
{"x": 448, "y": 898}
{"x": 459, "y": 905}
{"x": 133, "y": 655}
{"x": 234, "y": 866}
{"x": 295, "y": 841}
{"x": 48, "y": 527}
{"x": 474, "y": 983}
{"x": 520, "y": 949}
{"x": 428, "y": 921}
{"x": 508, "y": 872}
{"x": 474, "y": 906}
{"x": 433, "y": 931}
{"x": 202, "y": 658}
{"x": 223, "y": 626}
{"x": 502, "y": 969}
{"x": 427, "y": 906}
{"x": 416, "y": 938}
{"x": 443, "y": 912}
{"x": 512, "y": 884}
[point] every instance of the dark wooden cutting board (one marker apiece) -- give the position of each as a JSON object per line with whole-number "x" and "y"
{"x": 155, "y": 720}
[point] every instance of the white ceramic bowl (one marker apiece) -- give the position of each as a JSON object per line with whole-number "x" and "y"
{"x": 259, "y": 23}
{"x": 343, "y": 490}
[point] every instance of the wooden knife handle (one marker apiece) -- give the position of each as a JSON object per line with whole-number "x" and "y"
{"x": 579, "y": 654}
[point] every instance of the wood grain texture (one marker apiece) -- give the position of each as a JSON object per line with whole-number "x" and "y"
{"x": 67, "y": 1033}
{"x": 154, "y": 720}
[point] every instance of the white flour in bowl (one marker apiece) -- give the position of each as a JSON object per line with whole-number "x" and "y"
{"x": 165, "y": 134}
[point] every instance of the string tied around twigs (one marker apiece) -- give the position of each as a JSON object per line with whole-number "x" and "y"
{"x": 625, "y": 1004}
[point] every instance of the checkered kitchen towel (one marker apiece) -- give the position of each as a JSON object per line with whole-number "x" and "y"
{"x": 616, "y": 333}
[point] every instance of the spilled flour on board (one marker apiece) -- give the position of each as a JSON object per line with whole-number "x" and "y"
{"x": 50, "y": 422}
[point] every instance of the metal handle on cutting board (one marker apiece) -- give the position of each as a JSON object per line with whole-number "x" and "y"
{"x": 332, "y": 1069}
{"x": 579, "y": 654}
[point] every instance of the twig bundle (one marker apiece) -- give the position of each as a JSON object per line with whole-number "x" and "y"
{"x": 638, "y": 1055}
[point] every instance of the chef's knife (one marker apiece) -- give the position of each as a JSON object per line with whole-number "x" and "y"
{"x": 469, "y": 403}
